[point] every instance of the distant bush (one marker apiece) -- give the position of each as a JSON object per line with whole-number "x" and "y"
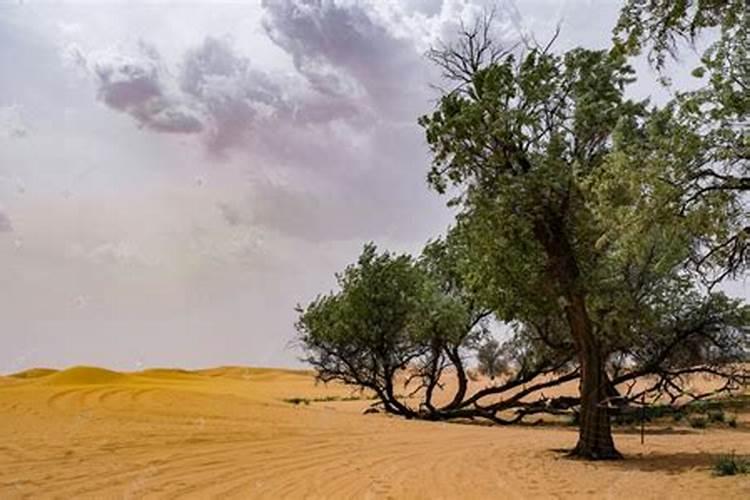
{"x": 731, "y": 465}
{"x": 716, "y": 415}
{"x": 324, "y": 399}
{"x": 297, "y": 401}
{"x": 657, "y": 411}
{"x": 698, "y": 407}
{"x": 732, "y": 421}
{"x": 491, "y": 360}
{"x": 698, "y": 422}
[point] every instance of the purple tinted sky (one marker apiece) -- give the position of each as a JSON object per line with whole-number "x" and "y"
{"x": 174, "y": 178}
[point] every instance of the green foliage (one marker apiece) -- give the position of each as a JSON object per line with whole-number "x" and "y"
{"x": 713, "y": 172}
{"x": 716, "y": 415}
{"x": 565, "y": 189}
{"x": 392, "y": 313}
{"x": 522, "y": 141}
{"x": 731, "y": 465}
{"x": 551, "y": 141}
{"x": 366, "y": 332}
{"x": 698, "y": 422}
{"x": 490, "y": 359}
{"x": 660, "y": 24}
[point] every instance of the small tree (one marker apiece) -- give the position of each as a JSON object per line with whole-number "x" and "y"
{"x": 361, "y": 335}
{"x": 490, "y": 359}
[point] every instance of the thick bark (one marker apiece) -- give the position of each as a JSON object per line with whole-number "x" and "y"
{"x": 461, "y": 379}
{"x": 391, "y": 402}
{"x": 595, "y": 434}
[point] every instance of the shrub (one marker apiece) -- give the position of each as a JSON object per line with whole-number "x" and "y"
{"x": 490, "y": 358}
{"x": 732, "y": 421}
{"x": 698, "y": 407}
{"x": 716, "y": 415}
{"x": 657, "y": 411}
{"x": 731, "y": 465}
{"x": 297, "y": 401}
{"x": 698, "y": 422}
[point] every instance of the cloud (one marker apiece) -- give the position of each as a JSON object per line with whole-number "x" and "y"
{"x": 138, "y": 84}
{"x": 233, "y": 95}
{"x": 213, "y": 91}
{"x": 354, "y": 64}
{"x": 346, "y": 51}
{"x": 340, "y": 120}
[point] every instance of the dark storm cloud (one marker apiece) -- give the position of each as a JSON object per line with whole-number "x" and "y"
{"x": 341, "y": 126}
{"x": 138, "y": 85}
{"x": 218, "y": 92}
{"x": 344, "y": 51}
{"x": 350, "y": 68}
{"x": 232, "y": 93}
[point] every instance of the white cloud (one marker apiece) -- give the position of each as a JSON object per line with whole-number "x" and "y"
{"x": 138, "y": 83}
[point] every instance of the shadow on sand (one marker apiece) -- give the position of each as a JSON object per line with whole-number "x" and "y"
{"x": 665, "y": 463}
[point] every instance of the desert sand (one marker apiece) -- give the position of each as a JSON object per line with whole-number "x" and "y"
{"x": 230, "y": 433}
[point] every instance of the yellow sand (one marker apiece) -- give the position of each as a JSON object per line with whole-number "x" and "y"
{"x": 34, "y": 373}
{"x": 227, "y": 433}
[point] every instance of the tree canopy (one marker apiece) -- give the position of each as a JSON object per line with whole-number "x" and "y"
{"x": 595, "y": 225}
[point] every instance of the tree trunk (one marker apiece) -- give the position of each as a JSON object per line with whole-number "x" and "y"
{"x": 461, "y": 379}
{"x": 595, "y": 434}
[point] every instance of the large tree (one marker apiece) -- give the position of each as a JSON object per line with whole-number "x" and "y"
{"x": 570, "y": 191}
{"x": 595, "y": 226}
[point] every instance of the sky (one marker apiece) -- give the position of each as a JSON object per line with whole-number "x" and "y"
{"x": 176, "y": 176}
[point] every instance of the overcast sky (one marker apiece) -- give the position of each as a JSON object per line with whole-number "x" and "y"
{"x": 175, "y": 177}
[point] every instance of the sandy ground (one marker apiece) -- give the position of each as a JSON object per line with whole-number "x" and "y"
{"x": 228, "y": 433}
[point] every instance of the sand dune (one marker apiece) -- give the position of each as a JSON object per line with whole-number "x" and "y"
{"x": 83, "y": 375}
{"x": 228, "y": 433}
{"x": 34, "y": 373}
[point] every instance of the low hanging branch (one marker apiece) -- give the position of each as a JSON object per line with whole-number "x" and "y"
{"x": 426, "y": 329}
